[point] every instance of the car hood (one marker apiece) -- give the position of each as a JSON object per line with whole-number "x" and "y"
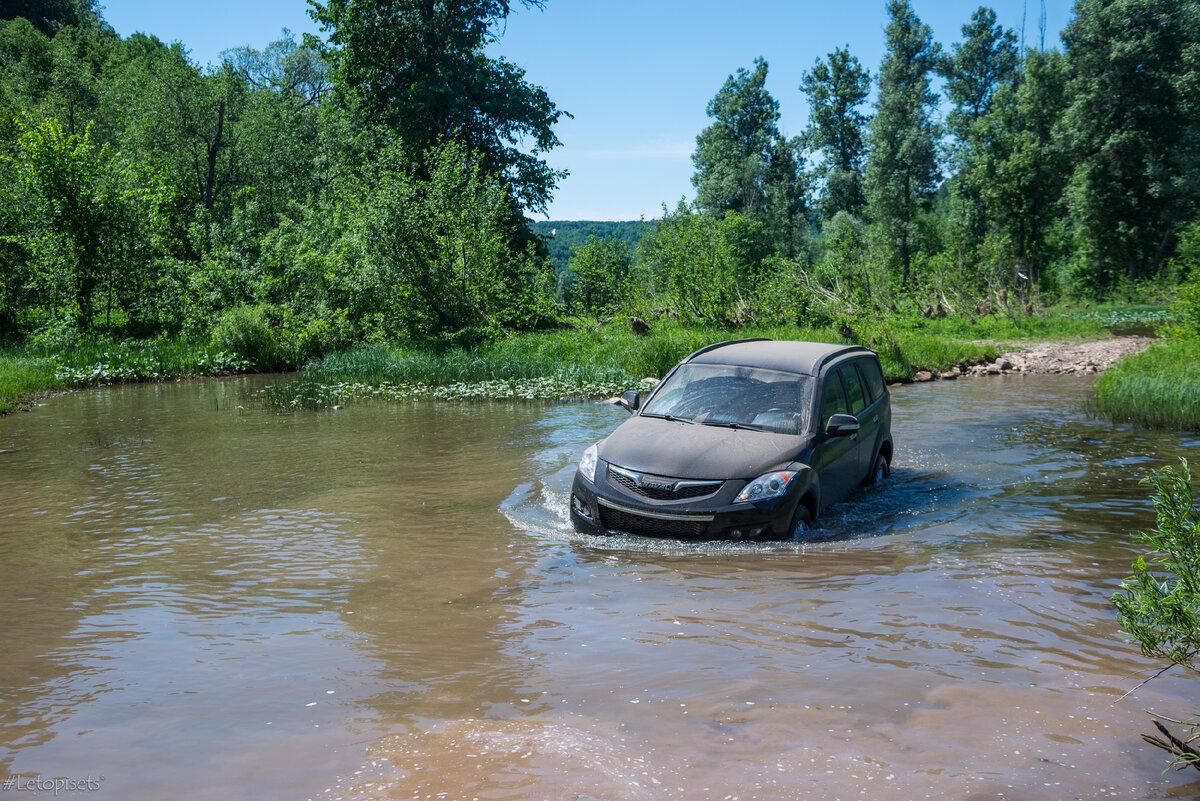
{"x": 686, "y": 450}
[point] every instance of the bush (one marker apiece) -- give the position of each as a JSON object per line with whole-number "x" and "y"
{"x": 245, "y": 331}
{"x": 1160, "y": 607}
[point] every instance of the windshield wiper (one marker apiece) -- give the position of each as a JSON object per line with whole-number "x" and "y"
{"x": 672, "y": 418}
{"x": 730, "y": 424}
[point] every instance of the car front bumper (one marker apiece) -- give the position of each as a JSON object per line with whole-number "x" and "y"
{"x": 604, "y": 508}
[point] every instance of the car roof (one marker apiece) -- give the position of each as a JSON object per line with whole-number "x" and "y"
{"x": 774, "y": 354}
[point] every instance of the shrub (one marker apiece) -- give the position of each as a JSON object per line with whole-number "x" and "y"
{"x": 245, "y": 331}
{"x": 1160, "y": 607}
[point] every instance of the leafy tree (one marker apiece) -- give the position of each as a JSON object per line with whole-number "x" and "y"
{"x": 50, "y": 16}
{"x": 836, "y": 88}
{"x": 734, "y": 153}
{"x": 602, "y": 273}
{"x": 902, "y": 170}
{"x": 421, "y": 68}
{"x": 697, "y": 260}
{"x": 1133, "y": 129}
{"x": 985, "y": 60}
{"x": 1018, "y": 165}
{"x": 978, "y": 67}
{"x": 86, "y": 223}
{"x": 438, "y": 249}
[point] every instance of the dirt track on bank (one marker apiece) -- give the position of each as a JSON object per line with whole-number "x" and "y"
{"x": 1051, "y": 358}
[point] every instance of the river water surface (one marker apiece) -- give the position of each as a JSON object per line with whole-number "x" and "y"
{"x": 201, "y": 601}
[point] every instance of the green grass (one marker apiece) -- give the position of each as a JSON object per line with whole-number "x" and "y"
{"x": 1158, "y": 388}
{"x": 33, "y": 373}
{"x": 23, "y": 378}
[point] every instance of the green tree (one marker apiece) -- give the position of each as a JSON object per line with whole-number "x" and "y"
{"x": 902, "y": 170}
{"x": 603, "y": 279}
{"x": 438, "y": 248}
{"x": 1018, "y": 165}
{"x": 89, "y": 224}
{"x": 1133, "y": 130}
{"x": 51, "y": 16}
{"x": 733, "y": 154}
{"x": 836, "y": 88}
{"x": 975, "y": 70}
{"x": 421, "y": 68}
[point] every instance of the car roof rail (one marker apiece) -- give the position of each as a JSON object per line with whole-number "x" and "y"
{"x": 716, "y": 345}
{"x": 848, "y": 350}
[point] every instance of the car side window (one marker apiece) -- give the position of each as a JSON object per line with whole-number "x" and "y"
{"x": 833, "y": 397}
{"x": 874, "y": 378}
{"x": 854, "y": 388}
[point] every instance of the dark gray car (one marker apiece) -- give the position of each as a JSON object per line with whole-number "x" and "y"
{"x": 741, "y": 440}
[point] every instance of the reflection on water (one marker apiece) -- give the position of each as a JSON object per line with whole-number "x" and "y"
{"x": 204, "y": 601}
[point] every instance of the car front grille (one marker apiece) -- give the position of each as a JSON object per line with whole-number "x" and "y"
{"x": 678, "y": 491}
{"x": 628, "y": 523}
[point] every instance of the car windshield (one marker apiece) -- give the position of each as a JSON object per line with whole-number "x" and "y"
{"x": 735, "y": 396}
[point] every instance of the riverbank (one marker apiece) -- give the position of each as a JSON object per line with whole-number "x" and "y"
{"x": 1157, "y": 388}
{"x": 596, "y": 359}
{"x": 591, "y": 359}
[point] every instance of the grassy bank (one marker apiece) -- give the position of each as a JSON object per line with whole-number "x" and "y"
{"x": 595, "y": 360}
{"x": 1159, "y": 387}
{"x": 589, "y": 360}
{"x": 25, "y": 375}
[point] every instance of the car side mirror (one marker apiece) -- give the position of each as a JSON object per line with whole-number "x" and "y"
{"x": 840, "y": 425}
{"x": 631, "y": 400}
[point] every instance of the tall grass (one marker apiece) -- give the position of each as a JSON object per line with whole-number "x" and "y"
{"x": 1158, "y": 388}
{"x": 23, "y": 378}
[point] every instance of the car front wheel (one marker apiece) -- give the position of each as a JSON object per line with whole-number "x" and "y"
{"x": 880, "y": 472}
{"x": 801, "y": 522}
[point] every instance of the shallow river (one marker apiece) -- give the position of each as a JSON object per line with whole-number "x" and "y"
{"x": 387, "y": 602}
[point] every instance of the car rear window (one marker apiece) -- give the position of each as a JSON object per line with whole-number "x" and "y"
{"x": 854, "y": 388}
{"x": 874, "y": 377}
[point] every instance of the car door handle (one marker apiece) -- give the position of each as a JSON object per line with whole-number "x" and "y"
{"x": 875, "y": 419}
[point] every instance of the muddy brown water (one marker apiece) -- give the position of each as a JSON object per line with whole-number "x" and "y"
{"x": 386, "y": 602}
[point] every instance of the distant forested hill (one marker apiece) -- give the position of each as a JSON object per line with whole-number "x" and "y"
{"x": 563, "y": 236}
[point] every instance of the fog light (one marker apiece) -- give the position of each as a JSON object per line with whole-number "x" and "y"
{"x": 736, "y": 534}
{"x": 580, "y": 508}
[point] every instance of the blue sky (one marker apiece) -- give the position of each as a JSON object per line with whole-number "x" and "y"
{"x": 636, "y": 75}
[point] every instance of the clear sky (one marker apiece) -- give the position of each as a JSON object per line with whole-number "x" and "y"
{"x": 636, "y": 75}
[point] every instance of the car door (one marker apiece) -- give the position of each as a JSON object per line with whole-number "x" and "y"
{"x": 858, "y": 394}
{"x": 835, "y": 459}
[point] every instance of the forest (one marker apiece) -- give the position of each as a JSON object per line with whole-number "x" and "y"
{"x": 324, "y": 194}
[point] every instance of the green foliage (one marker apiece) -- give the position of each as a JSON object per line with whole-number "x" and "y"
{"x": 563, "y": 237}
{"x": 902, "y": 170}
{"x": 699, "y": 262}
{"x": 835, "y": 89}
{"x": 1160, "y": 606}
{"x": 603, "y": 280}
{"x": 1133, "y": 129}
{"x": 423, "y": 70}
{"x": 245, "y": 331}
{"x": 745, "y": 165}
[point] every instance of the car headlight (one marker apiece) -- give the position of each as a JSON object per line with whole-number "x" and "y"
{"x": 771, "y": 485}
{"x": 587, "y": 464}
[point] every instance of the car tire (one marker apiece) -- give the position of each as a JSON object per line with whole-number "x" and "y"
{"x": 801, "y": 522}
{"x": 880, "y": 472}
